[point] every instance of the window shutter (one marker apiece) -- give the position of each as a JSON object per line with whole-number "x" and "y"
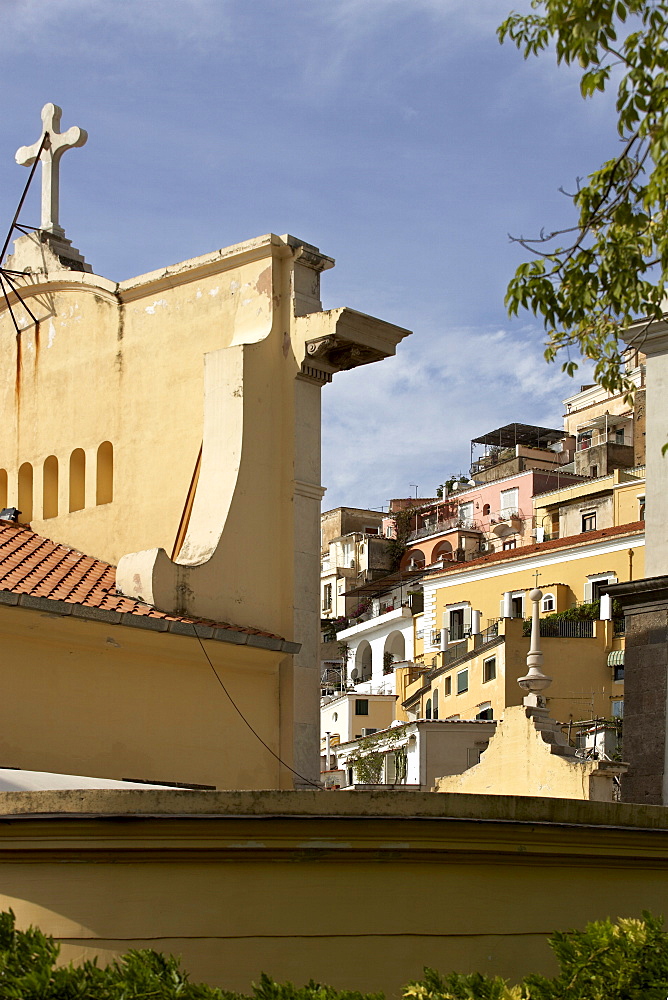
{"x": 467, "y": 619}
{"x": 587, "y": 592}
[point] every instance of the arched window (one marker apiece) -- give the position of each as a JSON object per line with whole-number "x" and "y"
{"x": 486, "y": 509}
{"x": 413, "y": 559}
{"x": 77, "y": 479}
{"x": 3, "y": 488}
{"x": 427, "y": 709}
{"x": 105, "y": 473}
{"x": 25, "y": 492}
{"x": 394, "y": 651}
{"x": 435, "y": 704}
{"x": 442, "y": 550}
{"x": 548, "y": 603}
{"x": 363, "y": 661}
{"x": 50, "y": 487}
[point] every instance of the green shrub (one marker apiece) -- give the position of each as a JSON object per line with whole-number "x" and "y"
{"x": 267, "y": 989}
{"x": 626, "y": 960}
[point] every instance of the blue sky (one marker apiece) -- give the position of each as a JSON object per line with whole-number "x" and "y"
{"x": 396, "y": 135}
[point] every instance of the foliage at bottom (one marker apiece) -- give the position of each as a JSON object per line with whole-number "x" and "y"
{"x": 626, "y": 960}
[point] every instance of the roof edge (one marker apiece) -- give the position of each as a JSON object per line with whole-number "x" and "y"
{"x": 219, "y": 633}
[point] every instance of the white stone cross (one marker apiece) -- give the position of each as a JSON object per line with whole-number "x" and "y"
{"x": 54, "y": 147}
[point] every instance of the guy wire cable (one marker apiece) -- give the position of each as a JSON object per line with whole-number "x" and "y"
{"x": 243, "y": 717}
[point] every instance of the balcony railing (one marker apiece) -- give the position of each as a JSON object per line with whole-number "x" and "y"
{"x": 448, "y": 524}
{"x": 562, "y": 629}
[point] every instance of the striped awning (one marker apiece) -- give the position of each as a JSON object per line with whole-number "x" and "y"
{"x": 616, "y": 658}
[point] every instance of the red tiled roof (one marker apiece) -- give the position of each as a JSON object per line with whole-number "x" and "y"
{"x": 36, "y": 566}
{"x": 572, "y": 541}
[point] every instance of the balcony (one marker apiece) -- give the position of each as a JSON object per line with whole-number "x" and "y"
{"x": 506, "y": 522}
{"x": 440, "y": 527}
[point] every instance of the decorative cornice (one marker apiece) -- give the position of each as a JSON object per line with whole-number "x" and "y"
{"x": 309, "y": 490}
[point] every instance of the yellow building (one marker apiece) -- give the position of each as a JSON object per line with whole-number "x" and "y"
{"x": 615, "y": 499}
{"x": 479, "y": 602}
{"x": 477, "y": 677}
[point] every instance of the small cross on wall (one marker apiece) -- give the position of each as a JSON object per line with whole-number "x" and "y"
{"x": 55, "y": 145}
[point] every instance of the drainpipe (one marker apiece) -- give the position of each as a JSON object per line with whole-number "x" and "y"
{"x": 327, "y": 751}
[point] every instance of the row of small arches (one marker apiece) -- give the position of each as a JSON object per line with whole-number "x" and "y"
{"x": 76, "y": 498}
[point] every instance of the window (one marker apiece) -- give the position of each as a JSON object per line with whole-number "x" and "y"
{"x": 510, "y": 544}
{"x": 598, "y": 586}
{"x": 486, "y": 509}
{"x": 618, "y": 709}
{"x": 589, "y": 521}
{"x": 485, "y": 711}
{"x": 489, "y": 669}
{"x": 457, "y": 624}
{"x": 327, "y": 597}
{"x": 462, "y": 681}
{"x": 548, "y": 603}
{"x": 447, "y": 686}
{"x": 584, "y": 441}
{"x": 466, "y": 513}
{"x": 361, "y": 706}
{"x": 472, "y": 756}
{"x": 427, "y": 710}
{"x": 618, "y": 671}
{"x": 641, "y": 508}
{"x": 517, "y": 606}
{"x": 388, "y": 532}
{"x": 435, "y": 704}
{"x": 510, "y": 501}
{"x": 593, "y": 471}
{"x": 619, "y": 435}
{"x": 370, "y": 531}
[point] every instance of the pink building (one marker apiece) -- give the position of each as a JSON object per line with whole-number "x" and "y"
{"x": 486, "y": 517}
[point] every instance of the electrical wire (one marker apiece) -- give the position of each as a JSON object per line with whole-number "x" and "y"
{"x": 244, "y": 719}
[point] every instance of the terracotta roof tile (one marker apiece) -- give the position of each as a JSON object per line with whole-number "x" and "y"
{"x": 36, "y": 566}
{"x": 571, "y": 541}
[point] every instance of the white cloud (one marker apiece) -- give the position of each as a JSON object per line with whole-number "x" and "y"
{"x": 410, "y": 419}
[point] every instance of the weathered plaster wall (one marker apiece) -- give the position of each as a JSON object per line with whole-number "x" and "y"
{"x": 301, "y": 884}
{"x": 93, "y": 698}
{"x": 519, "y": 761}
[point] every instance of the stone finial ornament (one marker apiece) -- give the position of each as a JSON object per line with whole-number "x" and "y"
{"x": 535, "y": 681}
{"x": 54, "y": 147}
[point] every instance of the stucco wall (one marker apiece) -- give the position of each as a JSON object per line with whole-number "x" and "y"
{"x": 91, "y": 698}
{"x": 302, "y": 884}
{"x": 519, "y": 761}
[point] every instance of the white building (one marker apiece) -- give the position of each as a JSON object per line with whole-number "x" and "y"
{"x": 376, "y": 646}
{"x": 412, "y": 755}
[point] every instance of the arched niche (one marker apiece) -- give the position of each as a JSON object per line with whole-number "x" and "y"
{"x": 77, "y": 479}
{"x": 105, "y": 473}
{"x": 25, "y": 492}
{"x": 50, "y": 487}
